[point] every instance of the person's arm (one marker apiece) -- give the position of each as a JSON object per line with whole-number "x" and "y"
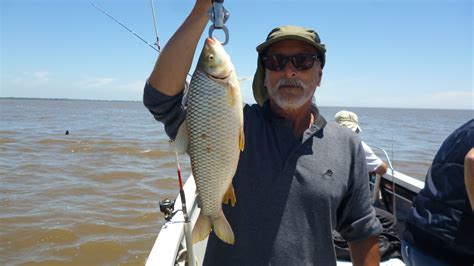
{"x": 356, "y": 219}
{"x": 469, "y": 176}
{"x": 374, "y": 163}
{"x": 174, "y": 62}
{"x": 365, "y": 252}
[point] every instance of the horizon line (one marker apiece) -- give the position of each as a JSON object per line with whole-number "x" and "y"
{"x": 341, "y": 106}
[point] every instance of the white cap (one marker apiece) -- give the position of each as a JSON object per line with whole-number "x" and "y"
{"x": 348, "y": 119}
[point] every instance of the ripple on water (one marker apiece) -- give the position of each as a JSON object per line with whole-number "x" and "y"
{"x": 99, "y": 252}
{"x": 7, "y": 140}
{"x": 114, "y": 176}
{"x": 29, "y": 243}
{"x": 94, "y": 252}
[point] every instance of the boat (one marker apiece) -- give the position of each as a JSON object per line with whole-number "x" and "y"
{"x": 393, "y": 192}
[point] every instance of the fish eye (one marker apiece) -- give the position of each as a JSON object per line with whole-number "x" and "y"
{"x": 211, "y": 57}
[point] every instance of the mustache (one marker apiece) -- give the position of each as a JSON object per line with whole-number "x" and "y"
{"x": 290, "y": 83}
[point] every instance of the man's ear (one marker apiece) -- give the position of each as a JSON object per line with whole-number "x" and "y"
{"x": 320, "y": 77}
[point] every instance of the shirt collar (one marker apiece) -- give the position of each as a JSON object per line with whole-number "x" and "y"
{"x": 319, "y": 121}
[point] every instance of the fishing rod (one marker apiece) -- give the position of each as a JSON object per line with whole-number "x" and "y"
{"x": 378, "y": 179}
{"x": 187, "y": 221}
{"x": 157, "y": 43}
{"x": 128, "y": 29}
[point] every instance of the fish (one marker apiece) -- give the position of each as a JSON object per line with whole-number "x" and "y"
{"x": 213, "y": 136}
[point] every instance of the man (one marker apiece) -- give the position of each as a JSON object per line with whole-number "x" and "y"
{"x": 298, "y": 177}
{"x": 350, "y": 120}
{"x": 440, "y": 226}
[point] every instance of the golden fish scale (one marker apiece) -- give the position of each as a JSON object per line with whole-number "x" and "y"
{"x": 213, "y": 130}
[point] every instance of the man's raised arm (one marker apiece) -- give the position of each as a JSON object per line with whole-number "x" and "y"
{"x": 174, "y": 62}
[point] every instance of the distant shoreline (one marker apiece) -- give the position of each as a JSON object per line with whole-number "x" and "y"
{"x": 323, "y": 106}
{"x": 65, "y": 99}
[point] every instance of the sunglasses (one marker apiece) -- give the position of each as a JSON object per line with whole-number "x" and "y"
{"x": 277, "y": 62}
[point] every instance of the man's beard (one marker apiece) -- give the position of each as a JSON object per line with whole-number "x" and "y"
{"x": 283, "y": 102}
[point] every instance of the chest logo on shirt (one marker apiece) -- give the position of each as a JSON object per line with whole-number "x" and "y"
{"x": 329, "y": 172}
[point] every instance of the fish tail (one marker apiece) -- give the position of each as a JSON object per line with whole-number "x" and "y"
{"x": 202, "y": 228}
{"x": 220, "y": 225}
{"x": 223, "y": 230}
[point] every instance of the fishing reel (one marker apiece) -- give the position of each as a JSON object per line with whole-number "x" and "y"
{"x": 167, "y": 208}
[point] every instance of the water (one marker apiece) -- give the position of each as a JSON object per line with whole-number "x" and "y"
{"x": 91, "y": 197}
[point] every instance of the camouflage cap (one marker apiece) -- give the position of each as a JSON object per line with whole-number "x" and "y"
{"x": 287, "y": 32}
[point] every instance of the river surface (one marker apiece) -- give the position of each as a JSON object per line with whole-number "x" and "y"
{"x": 91, "y": 197}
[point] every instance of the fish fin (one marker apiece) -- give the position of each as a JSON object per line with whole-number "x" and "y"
{"x": 241, "y": 138}
{"x": 202, "y": 228}
{"x": 182, "y": 140}
{"x": 233, "y": 90}
{"x": 222, "y": 228}
{"x": 230, "y": 195}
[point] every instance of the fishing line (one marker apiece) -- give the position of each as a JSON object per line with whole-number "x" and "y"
{"x": 394, "y": 207}
{"x": 125, "y": 27}
{"x": 132, "y": 32}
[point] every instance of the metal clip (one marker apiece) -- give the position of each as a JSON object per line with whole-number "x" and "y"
{"x": 218, "y": 15}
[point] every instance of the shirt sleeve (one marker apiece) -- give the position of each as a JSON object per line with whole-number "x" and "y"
{"x": 356, "y": 215}
{"x": 373, "y": 161}
{"x": 167, "y": 109}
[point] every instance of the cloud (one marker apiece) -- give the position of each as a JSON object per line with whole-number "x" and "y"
{"x": 136, "y": 86}
{"x": 32, "y": 78}
{"x": 96, "y": 82}
{"x": 460, "y": 99}
{"x": 111, "y": 83}
{"x": 41, "y": 76}
{"x": 451, "y": 99}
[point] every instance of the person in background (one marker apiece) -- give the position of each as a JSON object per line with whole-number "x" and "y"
{"x": 440, "y": 227}
{"x": 298, "y": 177}
{"x": 350, "y": 120}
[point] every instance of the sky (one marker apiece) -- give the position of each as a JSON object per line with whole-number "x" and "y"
{"x": 380, "y": 53}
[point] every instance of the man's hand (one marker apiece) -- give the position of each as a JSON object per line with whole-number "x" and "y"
{"x": 365, "y": 252}
{"x": 469, "y": 176}
{"x": 381, "y": 169}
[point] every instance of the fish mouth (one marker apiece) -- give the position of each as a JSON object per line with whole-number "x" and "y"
{"x": 221, "y": 78}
